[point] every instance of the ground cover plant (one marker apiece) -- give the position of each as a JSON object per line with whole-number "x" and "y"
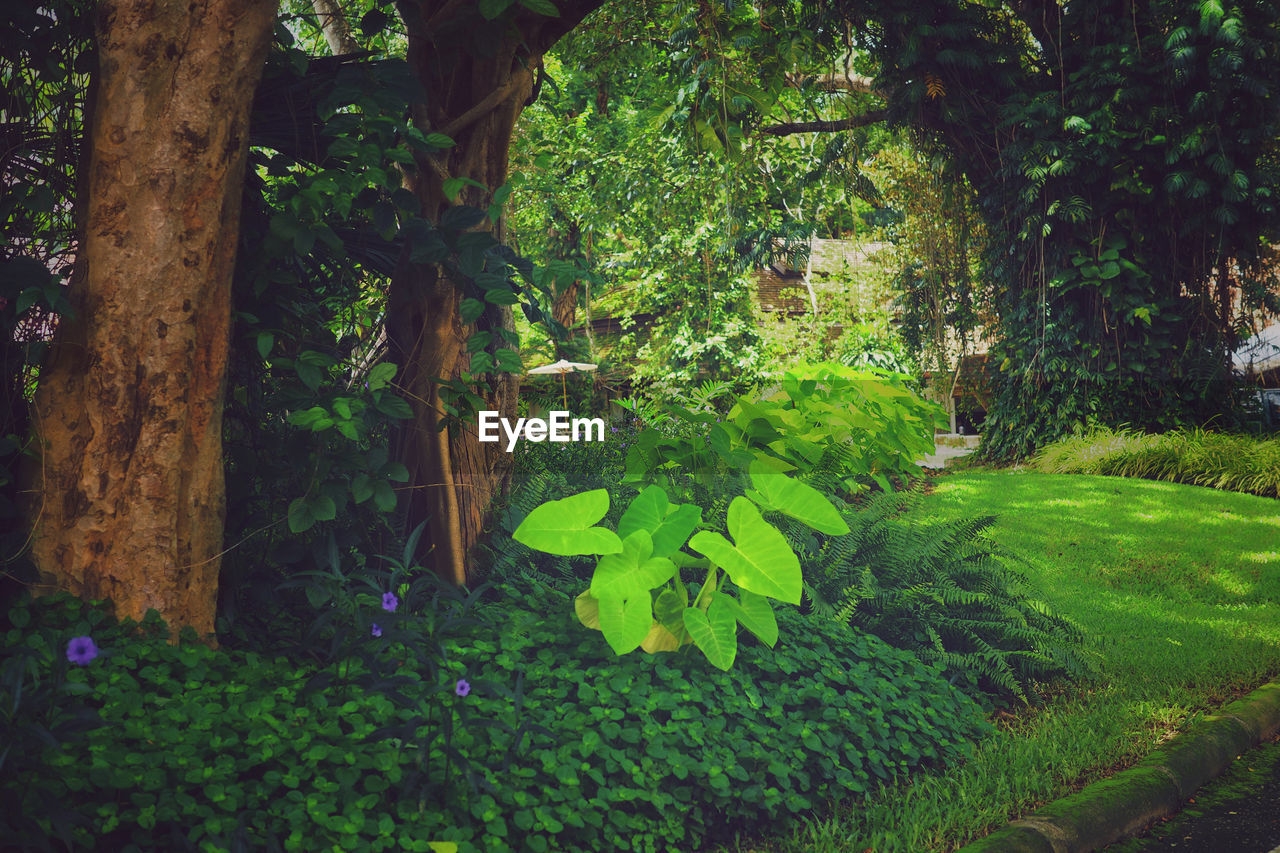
{"x": 1237, "y": 463}
{"x": 1179, "y": 587}
{"x": 184, "y": 747}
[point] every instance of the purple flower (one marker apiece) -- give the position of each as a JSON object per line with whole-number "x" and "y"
{"x": 463, "y": 687}
{"x": 81, "y": 650}
{"x": 390, "y": 602}
{"x": 376, "y": 630}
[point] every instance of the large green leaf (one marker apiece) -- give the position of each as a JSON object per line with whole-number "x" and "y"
{"x": 799, "y": 500}
{"x": 668, "y": 607}
{"x": 759, "y": 559}
{"x": 625, "y": 622}
{"x": 564, "y": 527}
{"x": 756, "y": 615}
{"x": 715, "y": 632}
{"x": 646, "y": 512}
{"x": 669, "y": 526}
{"x": 661, "y": 639}
{"x": 587, "y": 610}
{"x": 631, "y": 573}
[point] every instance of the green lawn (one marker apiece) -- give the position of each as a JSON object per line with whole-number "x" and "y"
{"x": 1178, "y": 588}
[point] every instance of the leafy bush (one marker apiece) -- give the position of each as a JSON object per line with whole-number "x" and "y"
{"x": 1235, "y": 463}
{"x": 638, "y": 597}
{"x": 870, "y": 421}
{"x": 216, "y": 749}
{"x": 941, "y": 591}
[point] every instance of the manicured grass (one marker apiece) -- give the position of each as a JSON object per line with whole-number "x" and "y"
{"x": 1179, "y": 589}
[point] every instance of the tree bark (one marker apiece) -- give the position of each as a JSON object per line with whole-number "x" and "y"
{"x": 479, "y": 74}
{"x": 335, "y": 27}
{"x": 128, "y": 499}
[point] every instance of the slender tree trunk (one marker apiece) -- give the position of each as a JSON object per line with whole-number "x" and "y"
{"x": 333, "y": 23}
{"x": 128, "y": 498}
{"x": 565, "y": 307}
{"x": 479, "y": 75}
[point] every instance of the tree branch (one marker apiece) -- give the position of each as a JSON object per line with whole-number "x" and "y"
{"x": 835, "y": 82}
{"x": 485, "y": 105}
{"x": 832, "y": 126}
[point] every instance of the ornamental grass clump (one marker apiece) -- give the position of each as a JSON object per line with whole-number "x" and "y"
{"x": 1236, "y": 463}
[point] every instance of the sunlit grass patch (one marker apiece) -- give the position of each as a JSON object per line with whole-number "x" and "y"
{"x": 1178, "y": 588}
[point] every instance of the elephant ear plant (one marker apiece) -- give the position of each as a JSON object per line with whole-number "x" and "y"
{"x": 637, "y": 598}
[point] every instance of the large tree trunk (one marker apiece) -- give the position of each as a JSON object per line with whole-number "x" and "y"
{"x": 478, "y": 76}
{"x": 129, "y": 490}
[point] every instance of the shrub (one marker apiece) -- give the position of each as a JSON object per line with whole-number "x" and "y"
{"x": 1236, "y": 463}
{"x": 868, "y": 421}
{"x": 215, "y": 749}
{"x": 941, "y": 591}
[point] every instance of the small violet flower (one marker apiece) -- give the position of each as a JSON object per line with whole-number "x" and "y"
{"x": 390, "y": 602}
{"x": 376, "y": 630}
{"x": 81, "y": 650}
{"x": 463, "y": 687}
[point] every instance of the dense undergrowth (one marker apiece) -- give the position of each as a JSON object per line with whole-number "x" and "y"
{"x": 155, "y": 746}
{"x": 376, "y": 708}
{"x": 942, "y": 591}
{"x": 1236, "y": 463}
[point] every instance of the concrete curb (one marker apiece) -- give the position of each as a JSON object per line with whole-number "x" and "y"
{"x": 1126, "y": 803}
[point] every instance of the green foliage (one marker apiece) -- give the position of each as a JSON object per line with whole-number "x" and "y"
{"x": 867, "y": 339}
{"x": 679, "y": 753}
{"x": 542, "y": 472}
{"x": 175, "y": 746}
{"x": 201, "y": 747}
{"x": 221, "y": 748}
{"x": 565, "y": 527}
{"x": 868, "y": 422}
{"x": 1123, "y": 164}
{"x": 639, "y": 169}
{"x": 938, "y": 242}
{"x": 1236, "y": 463}
{"x": 942, "y": 591}
{"x": 637, "y": 597}
{"x": 46, "y": 52}
{"x": 311, "y": 403}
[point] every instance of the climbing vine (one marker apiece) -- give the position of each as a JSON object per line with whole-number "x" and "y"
{"x": 1124, "y": 160}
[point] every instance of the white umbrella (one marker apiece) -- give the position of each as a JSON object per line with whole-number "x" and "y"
{"x": 562, "y": 367}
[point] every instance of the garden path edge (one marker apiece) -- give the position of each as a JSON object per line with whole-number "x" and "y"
{"x": 1125, "y": 804}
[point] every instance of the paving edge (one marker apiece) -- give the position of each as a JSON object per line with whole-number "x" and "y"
{"x": 1126, "y": 803}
